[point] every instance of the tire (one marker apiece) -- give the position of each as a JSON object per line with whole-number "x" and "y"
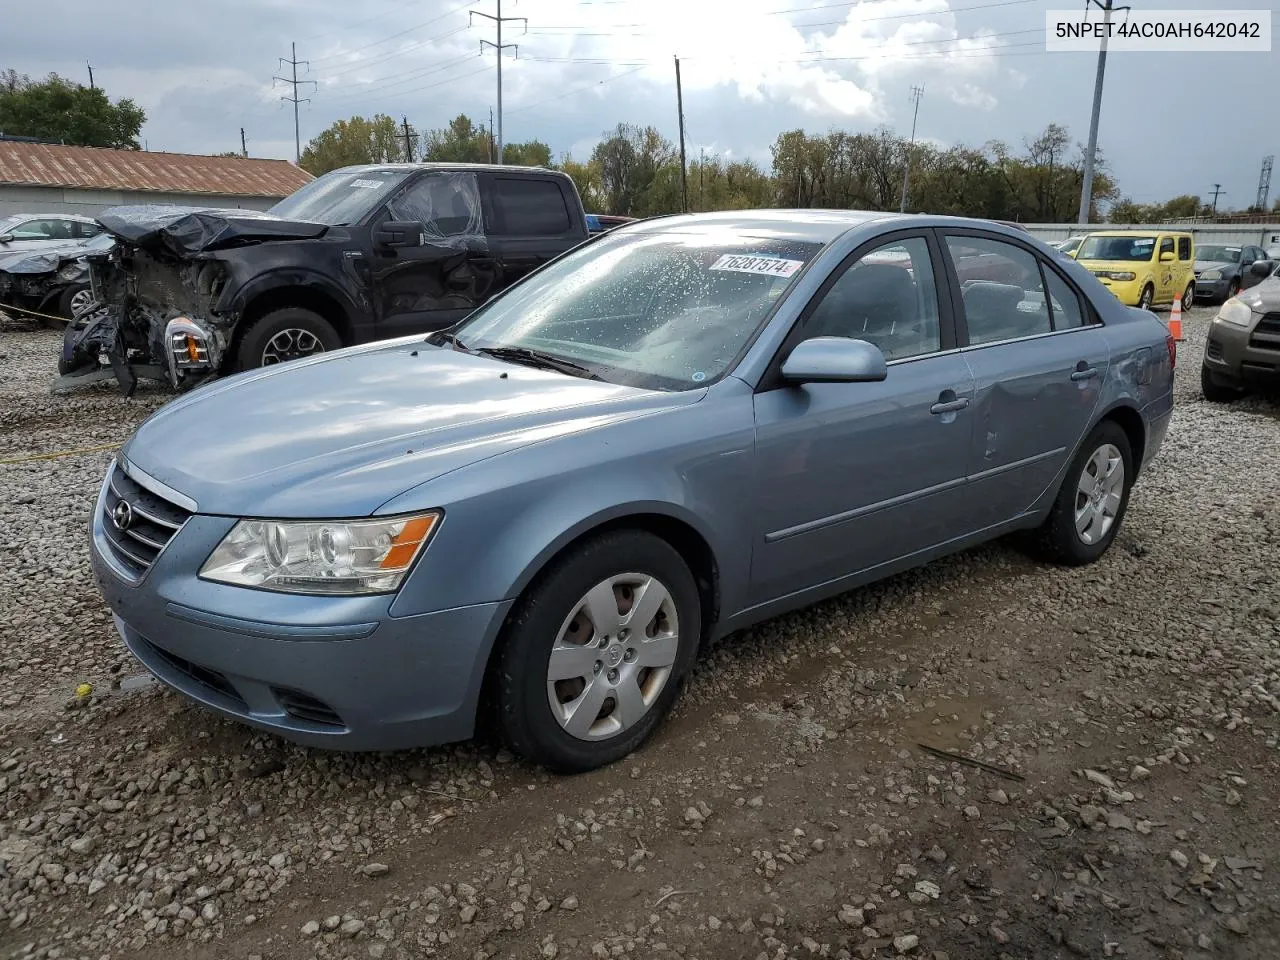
{"x": 1215, "y": 391}
{"x": 554, "y": 615}
{"x": 1059, "y": 539}
{"x": 73, "y": 300}
{"x": 308, "y": 331}
{"x": 1189, "y": 297}
{"x": 1147, "y": 297}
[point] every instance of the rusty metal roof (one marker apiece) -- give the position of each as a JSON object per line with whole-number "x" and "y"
{"x": 100, "y": 168}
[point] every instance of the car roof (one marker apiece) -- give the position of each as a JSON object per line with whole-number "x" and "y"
{"x": 492, "y": 167}
{"x": 49, "y": 216}
{"x": 813, "y": 226}
{"x": 1138, "y": 233}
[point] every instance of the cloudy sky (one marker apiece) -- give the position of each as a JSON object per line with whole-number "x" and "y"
{"x": 1172, "y": 123}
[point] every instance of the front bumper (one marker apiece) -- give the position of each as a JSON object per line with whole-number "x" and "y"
{"x": 1128, "y": 292}
{"x": 1238, "y": 355}
{"x": 331, "y": 672}
{"x": 1212, "y": 289}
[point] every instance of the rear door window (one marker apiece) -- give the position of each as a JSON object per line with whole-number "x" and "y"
{"x": 1002, "y": 290}
{"x": 528, "y": 207}
{"x": 1184, "y": 248}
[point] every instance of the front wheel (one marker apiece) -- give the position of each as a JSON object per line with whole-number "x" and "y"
{"x": 1147, "y": 297}
{"x": 1092, "y": 501}
{"x": 595, "y": 653}
{"x": 74, "y": 301}
{"x": 1189, "y": 296}
{"x": 284, "y": 335}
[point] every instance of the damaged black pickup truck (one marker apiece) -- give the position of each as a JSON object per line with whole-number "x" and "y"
{"x": 359, "y": 254}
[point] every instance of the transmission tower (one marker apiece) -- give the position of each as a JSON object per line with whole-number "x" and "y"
{"x": 294, "y": 83}
{"x": 498, "y": 20}
{"x": 1264, "y": 183}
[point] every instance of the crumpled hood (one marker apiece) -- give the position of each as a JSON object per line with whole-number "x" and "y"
{"x": 341, "y": 434}
{"x": 44, "y": 260}
{"x": 186, "y": 231}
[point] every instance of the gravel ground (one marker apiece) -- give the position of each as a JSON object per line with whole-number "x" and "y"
{"x": 787, "y": 809}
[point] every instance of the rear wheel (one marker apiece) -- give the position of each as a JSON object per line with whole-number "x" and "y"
{"x": 595, "y": 653}
{"x": 1092, "y": 501}
{"x": 1147, "y": 297}
{"x": 284, "y": 335}
{"x": 1214, "y": 390}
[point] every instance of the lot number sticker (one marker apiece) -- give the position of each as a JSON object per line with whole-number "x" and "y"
{"x": 367, "y": 184}
{"x": 768, "y": 266}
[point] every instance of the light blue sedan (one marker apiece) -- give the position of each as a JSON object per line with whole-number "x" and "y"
{"x": 674, "y": 431}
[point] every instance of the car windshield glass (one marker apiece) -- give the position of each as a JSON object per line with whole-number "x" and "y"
{"x": 339, "y": 198}
{"x": 7, "y": 222}
{"x": 1219, "y": 254}
{"x": 1116, "y": 248}
{"x": 660, "y": 311}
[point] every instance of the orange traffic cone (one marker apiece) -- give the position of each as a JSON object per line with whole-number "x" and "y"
{"x": 1175, "y": 320}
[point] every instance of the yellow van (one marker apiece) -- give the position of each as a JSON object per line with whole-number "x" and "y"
{"x": 1142, "y": 268}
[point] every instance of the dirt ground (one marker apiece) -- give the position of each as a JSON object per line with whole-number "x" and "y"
{"x": 1130, "y": 712}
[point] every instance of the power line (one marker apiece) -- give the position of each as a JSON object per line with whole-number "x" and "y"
{"x": 498, "y": 20}
{"x": 398, "y": 33}
{"x": 293, "y": 61}
{"x": 356, "y": 91}
{"x": 417, "y": 45}
{"x": 586, "y": 86}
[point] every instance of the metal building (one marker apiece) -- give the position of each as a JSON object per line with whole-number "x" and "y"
{"x": 53, "y": 178}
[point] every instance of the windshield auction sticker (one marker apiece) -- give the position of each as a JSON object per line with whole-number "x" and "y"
{"x": 1159, "y": 31}
{"x": 768, "y": 266}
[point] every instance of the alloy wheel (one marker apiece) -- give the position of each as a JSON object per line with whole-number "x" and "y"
{"x": 80, "y": 300}
{"x": 291, "y": 344}
{"x": 613, "y": 656}
{"x": 1099, "y": 493}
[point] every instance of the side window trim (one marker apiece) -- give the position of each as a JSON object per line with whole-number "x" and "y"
{"x": 947, "y": 333}
{"x": 1092, "y": 319}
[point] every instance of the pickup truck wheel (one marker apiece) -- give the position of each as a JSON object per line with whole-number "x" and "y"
{"x": 1092, "y": 501}
{"x": 284, "y": 335}
{"x": 595, "y": 653}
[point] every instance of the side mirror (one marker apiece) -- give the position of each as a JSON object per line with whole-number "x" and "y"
{"x": 398, "y": 233}
{"x": 5, "y": 237}
{"x": 834, "y": 360}
{"x": 1166, "y": 257}
{"x": 1262, "y": 268}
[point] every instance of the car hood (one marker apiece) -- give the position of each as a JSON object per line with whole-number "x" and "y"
{"x": 186, "y": 231}
{"x": 44, "y": 260}
{"x": 1265, "y": 296}
{"x": 1215, "y": 264}
{"x": 341, "y": 434}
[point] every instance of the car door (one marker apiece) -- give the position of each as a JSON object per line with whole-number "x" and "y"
{"x": 1248, "y": 257}
{"x": 1039, "y": 358}
{"x": 438, "y": 281}
{"x": 1165, "y": 267}
{"x": 529, "y": 219}
{"x": 851, "y": 476}
{"x": 1186, "y": 265}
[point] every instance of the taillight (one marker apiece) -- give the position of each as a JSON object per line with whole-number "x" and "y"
{"x": 1172, "y": 346}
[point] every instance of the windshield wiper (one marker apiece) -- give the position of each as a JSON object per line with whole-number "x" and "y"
{"x": 441, "y": 337}
{"x": 536, "y": 358}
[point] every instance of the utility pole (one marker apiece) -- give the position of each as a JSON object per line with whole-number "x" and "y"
{"x": 916, "y": 94}
{"x": 702, "y": 172}
{"x": 491, "y": 134}
{"x": 408, "y": 137}
{"x": 1217, "y": 192}
{"x": 293, "y": 62}
{"x": 1264, "y": 184}
{"x": 90, "y": 66}
{"x": 244, "y": 149}
{"x": 684, "y": 178}
{"x": 498, "y": 20}
{"x": 1086, "y": 189}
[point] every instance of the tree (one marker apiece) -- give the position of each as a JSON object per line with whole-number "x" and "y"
{"x": 353, "y": 141}
{"x": 628, "y": 161}
{"x": 460, "y": 142}
{"x": 586, "y": 177}
{"x": 65, "y": 112}
{"x": 534, "y": 153}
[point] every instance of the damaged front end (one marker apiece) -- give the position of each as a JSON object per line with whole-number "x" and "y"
{"x": 152, "y": 318}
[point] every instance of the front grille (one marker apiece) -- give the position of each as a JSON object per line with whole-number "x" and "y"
{"x": 302, "y": 706}
{"x": 210, "y": 679}
{"x": 137, "y": 535}
{"x": 1214, "y": 350}
{"x": 1266, "y": 335}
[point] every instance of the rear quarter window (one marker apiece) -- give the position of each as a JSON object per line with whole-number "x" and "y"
{"x": 530, "y": 208}
{"x": 1184, "y": 248}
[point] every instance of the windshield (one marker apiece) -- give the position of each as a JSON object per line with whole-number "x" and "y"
{"x": 8, "y": 222}
{"x": 660, "y": 311}
{"x": 339, "y": 198}
{"x": 1116, "y": 248}
{"x": 1219, "y": 254}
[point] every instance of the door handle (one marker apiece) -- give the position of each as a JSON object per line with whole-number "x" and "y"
{"x": 949, "y": 406}
{"x": 1084, "y": 373}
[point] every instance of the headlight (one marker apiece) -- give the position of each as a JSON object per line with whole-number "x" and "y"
{"x": 320, "y": 557}
{"x": 1237, "y": 312}
{"x": 1211, "y": 275}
